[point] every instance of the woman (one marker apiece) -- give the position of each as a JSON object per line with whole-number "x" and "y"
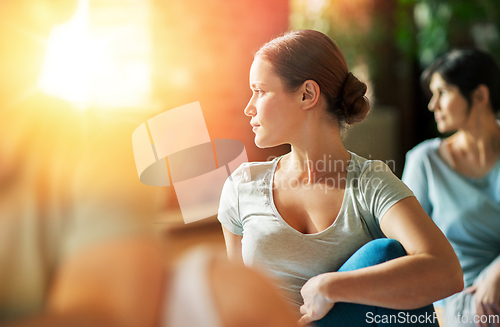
{"x": 456, "y": 178}
{"x": 302, "y": 215}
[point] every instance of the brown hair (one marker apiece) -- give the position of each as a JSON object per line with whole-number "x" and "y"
{"x": 302, "y": 55}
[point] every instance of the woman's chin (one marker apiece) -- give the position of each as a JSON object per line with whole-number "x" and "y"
{"x": 262, "y": 144}
{"x": 445, "y": 129}
{"x": 265, "y": 146}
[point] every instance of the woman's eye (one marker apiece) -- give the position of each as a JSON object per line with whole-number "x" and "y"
{"x": 437, "y": 93}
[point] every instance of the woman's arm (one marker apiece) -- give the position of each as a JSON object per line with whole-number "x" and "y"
{"x": 233, "y": 245}
{"x": 429, "y": 272}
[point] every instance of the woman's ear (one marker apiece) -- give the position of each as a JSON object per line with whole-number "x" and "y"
{"x": 481, "y": 96}
{"x": 310, "y": 93}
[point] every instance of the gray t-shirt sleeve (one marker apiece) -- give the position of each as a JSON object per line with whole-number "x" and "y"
{"x": 228, "y": 214}
{"x": 381, "y": 189}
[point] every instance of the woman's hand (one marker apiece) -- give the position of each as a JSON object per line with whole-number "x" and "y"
{"x": 487, "y": 297}
{"x": 316, "y": 302}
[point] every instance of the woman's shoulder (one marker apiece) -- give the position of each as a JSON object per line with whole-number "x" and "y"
{"x": 427, "y": 148}
{"x": 371, "y": 177}
{"x": 253, "y": 171}
{"x": 364, "y": 172}
{"x": 362, "y": 166}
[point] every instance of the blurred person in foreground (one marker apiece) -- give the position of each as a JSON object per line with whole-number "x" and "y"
{"x": 456, "y": 178}
{"x": 72, "y": 249}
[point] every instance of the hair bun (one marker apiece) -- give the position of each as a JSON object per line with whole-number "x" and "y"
{"x": 355, "y": 104}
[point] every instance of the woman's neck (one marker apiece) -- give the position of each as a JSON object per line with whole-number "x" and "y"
{"x": 480, "y": 139}
{"x": 474, "y": 149}
{"x": 317, "y": 153}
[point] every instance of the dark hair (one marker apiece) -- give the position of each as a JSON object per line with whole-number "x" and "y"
{"x": 302, "y": 55}
{"x": 467, "y": 69}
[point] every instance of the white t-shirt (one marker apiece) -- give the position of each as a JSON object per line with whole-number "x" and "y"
{"x": 290, "y": 257}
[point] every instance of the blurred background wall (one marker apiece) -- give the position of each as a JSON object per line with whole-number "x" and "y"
{"x": 202, "y": 51}
{"x": 124, "y": 61}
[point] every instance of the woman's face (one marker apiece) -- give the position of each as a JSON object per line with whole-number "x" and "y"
{"x": 273, "y": 111}
{"x": 450, "y": 108}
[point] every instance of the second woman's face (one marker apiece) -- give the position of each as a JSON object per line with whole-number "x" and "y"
{"x": 450, "y": 108}
{"x": 273, "y": 111}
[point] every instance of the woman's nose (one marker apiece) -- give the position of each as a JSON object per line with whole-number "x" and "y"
{"x": 250, "y": 109}
{"x": 432, "y": 104}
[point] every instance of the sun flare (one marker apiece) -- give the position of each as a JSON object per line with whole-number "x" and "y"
{"x": 93, "y": 64}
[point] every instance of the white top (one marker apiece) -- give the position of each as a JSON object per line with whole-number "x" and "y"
{"x": 247, "y": 208}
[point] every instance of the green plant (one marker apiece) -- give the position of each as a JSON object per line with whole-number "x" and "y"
{"x": 440, "y": 25}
